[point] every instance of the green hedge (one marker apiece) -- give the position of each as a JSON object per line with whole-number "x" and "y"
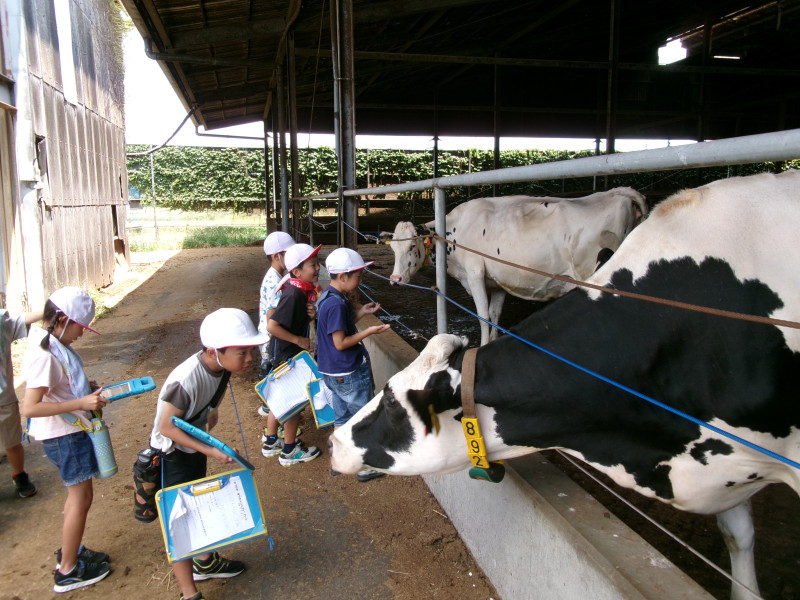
{"x": 191, "y": 178}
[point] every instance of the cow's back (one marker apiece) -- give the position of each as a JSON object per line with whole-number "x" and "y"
{"x": 553, "y": 235}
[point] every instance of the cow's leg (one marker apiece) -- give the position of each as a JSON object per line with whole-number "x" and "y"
{"x": 477, "y": 286}
{"x": 736, "y": 525}
{"x": 495, "y": 308}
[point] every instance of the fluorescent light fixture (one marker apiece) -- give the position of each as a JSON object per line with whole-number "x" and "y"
{"x": 671, "y": 52}
{"x": 727, "y": 57}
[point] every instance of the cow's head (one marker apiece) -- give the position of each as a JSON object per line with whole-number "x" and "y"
{"x": 410, "y": 251}
{"x": 413, "y": 426}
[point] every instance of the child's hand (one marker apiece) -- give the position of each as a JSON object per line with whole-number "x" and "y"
{"x": 93, "y": 401}
{"x": 378, "y": 328}
{"x": 370, "y": 308}
{"x": 304, "y": 343}
{"x": 311, "y": 310}
{"x": 220, "y": 456}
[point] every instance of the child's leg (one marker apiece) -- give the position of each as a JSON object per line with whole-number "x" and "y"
{"x": 272, "y": 424}
{"x": 16, "y": 458}
{"x": 184, "y": 577}
{"x": 76, "y": 507}
{"x": 290, "y": 429}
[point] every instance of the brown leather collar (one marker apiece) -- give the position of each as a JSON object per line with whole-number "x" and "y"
{"x": 468, "y": 383}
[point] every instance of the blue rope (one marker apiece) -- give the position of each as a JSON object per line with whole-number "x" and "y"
{"x": 611, "y": 381}
{"x": 392, "y": 317}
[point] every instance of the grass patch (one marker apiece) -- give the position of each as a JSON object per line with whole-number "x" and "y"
{"x": 178, "y": 238}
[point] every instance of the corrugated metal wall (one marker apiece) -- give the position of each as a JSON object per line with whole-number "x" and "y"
{"x": 80, "y": 146}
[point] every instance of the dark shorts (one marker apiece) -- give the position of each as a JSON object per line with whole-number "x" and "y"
{"x": 182, "y": 467}
{"x": 73, "y": 454}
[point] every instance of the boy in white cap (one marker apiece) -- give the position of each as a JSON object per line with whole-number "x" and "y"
{"x": 289, "y": 325}
{"x": 192, "y": 392}
{"x": 13, "y": 327}
{"x": 275, "y": 246}
{"x": 342, "y": 358}
{"x": 57, "y": 384}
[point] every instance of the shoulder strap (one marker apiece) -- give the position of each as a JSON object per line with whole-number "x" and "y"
{"x": 215, "y": 399}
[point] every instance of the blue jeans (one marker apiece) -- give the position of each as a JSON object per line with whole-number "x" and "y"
{"x": 350, "y": 392}
{"x": 73, "y": 454}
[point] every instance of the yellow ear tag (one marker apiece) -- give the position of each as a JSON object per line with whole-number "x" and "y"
{"x": 434, "y": 418}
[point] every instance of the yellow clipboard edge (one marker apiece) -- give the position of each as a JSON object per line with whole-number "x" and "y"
{"x": 170, "y": 558}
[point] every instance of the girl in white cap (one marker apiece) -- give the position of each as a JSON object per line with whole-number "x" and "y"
{"x": 57, "y": 384}
{"x": 275, "y": 246}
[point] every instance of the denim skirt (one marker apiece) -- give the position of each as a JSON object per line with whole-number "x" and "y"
{"x": 73, "y": 454}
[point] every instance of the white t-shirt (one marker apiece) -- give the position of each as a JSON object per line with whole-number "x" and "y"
{"x": 268, "y": 301}
{"x": 43, "y": 369}
{"x": 190, "y": 388}
{"x": 11, "y": 328}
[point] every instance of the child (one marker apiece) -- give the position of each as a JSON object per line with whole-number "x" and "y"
{"x": 13, "y": 328}
{"x": 192, "y": 392}
{"x": 275, "y": 246}
{"x": 57, "y": 384}
{"x": 342, "y": 358}
{"x": 289, "y": 325}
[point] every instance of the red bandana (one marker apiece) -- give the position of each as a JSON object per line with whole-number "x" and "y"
{"x": 308, "y": 288}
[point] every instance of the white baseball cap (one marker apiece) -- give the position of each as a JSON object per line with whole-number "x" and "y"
{"x": 76, "y": 304}
{"x": 227, "y": 327}
{"x": 298, "y": 254}
{"x": 277, "y": 241}
{"x": 345, "y": 260}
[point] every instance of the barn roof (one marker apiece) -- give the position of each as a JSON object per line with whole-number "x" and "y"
{"x": 464, "y": 67}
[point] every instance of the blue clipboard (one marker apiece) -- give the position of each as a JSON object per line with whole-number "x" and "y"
{"x": 323, "y": 416}
{"x": 131, "y": 387}
{"x": 285, "y": 389}
{"x": 241, "y": 500}
{"x": 210, "y": 440}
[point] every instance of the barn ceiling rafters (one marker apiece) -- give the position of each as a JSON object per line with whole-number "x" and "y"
{"x": 432, "y": 66}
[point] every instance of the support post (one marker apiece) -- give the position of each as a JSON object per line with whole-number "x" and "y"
{"x": 441, "y": 258}
{"x": 281, "y": 107}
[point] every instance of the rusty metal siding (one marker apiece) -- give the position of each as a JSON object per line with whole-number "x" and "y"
{"x": 84, "y": 192}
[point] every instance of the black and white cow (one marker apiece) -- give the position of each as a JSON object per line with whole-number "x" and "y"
{"x": 557, "y": 235}
{"x": 730, "y": 245}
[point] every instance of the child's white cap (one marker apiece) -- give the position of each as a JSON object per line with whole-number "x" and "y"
{"x": 227, "y": 327}
{"x": 345, "y": 260}
{"x": 76, "y": 304}
{"x": 277, "y": 241}
{"x": 298, "y": 254}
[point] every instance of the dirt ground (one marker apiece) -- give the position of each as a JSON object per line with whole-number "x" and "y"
{"x": 334, "y": 538}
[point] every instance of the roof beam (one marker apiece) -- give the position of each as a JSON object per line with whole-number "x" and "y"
{"x": 192, "y": 38}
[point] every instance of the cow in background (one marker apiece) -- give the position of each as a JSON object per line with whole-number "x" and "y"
{"x": 556, "y": 235}
{"x": 730, "y": 245}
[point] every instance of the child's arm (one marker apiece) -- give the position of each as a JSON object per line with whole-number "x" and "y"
{"x": 179, "y": 436}
{"x": 343, "y": 342}
{"x": 33, "y": 317}
{"x": 32, "y": 405}
{"x": 276, "y": 329}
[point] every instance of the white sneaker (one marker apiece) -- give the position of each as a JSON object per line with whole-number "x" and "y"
{"x": 273, "y": 450}
{"x": 368, "y": 474}
{"x": 298, "y": 455}
{"x": 263, "y": 411}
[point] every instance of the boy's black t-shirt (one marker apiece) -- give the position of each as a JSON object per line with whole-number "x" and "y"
{"x": 291, "y": 315}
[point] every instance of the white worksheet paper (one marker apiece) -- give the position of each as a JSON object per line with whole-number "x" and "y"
{"x": 198, "y": 521}
{"x": 289, "y": 390}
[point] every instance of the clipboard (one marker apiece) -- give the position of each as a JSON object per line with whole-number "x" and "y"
{"x": 324, "y": 415}
{"x": 285, "y": 389}
{"x": 131, "y": 387}
{"x": 210, "y": 513}
{"x": 210, "y": 440}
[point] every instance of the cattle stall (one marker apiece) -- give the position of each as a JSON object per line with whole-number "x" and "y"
{"x": 507, "y": 540}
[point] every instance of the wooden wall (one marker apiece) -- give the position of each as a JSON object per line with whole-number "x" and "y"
{"x": 80, "y": 146}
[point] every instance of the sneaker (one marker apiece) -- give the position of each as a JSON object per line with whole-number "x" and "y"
{"x": 25, "y": 488}
{"x": 83, "y": 574}
{"x": 86, "y": 555}
{"x": 197, "y": 596}
{"x": 335, "y": 473}
{"x": 263, "y": 410}
{"x": 280, "y": 433}
{"x": 272, "y": 450}
{"x": 216, "y": 568}
{"x": 298, "y": 455}
{"x": 368, "y": 474}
